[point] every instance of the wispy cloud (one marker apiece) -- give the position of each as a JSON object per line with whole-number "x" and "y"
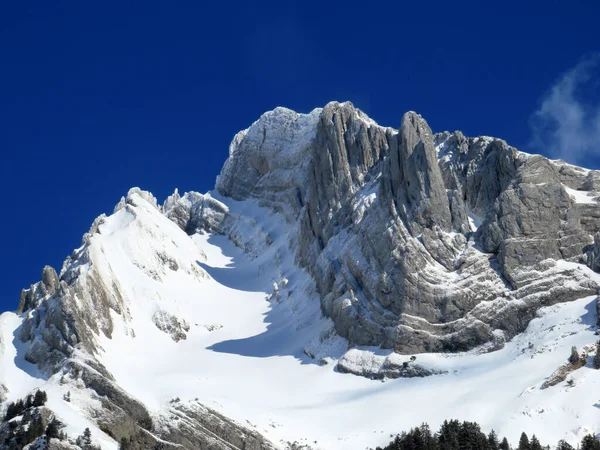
{"x": 567, "y": 123}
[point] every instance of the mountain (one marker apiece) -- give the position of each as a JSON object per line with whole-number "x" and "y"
{"x": 343, "y": 281}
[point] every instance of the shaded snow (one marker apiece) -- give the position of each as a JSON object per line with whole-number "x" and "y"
{"x": 19, "y": 376}
{"x": 474, "y": 220}
{"x": 580, "y": 196}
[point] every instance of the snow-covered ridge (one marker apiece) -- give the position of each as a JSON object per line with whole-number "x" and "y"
{"x": 280, "y": 139}
{"x": 289, "y": 130}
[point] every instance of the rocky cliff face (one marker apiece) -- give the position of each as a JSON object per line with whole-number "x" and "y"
{"x": 414, "y": 241}
{"x": 419, "y": 242}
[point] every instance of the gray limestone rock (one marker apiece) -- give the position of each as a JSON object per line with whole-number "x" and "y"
{"x": 3, "y": 392}
{"x": 192, "y": 425}
{"x": 592, "y": 254}
{"x": 31, "y": 297}
{"x": 415, "y": 181}
{"x": 172, "y": 325}
{"x": 388, "y": 368}
{"x": 49, "y": 280}
{"x": 419, "y": 242}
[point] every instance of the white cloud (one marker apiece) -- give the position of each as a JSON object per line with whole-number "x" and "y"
{"x": 567, "y": 123}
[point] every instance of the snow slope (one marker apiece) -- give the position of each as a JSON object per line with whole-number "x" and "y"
{"x": 580, "y": 196}
{"x": 244, "y": 353}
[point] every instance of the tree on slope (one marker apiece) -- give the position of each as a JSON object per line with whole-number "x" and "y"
{"x": 589, "y": 442}
{"x": 534, "y": 443}
{"x": 504, "y": 445}
{"x": 36, "y": 428}
{"x": 448, "y": 435}
{"x": 87, "y": 436}
{"x": 85, "y": 439}
{"x": 14, "y": 410}
{"x": 40, "y": 398}
{"x": 53, "y": 429}
{"x": 564, "y": 445}
{"x": 422, "y": 438}
{"x": 493, "y": 441}
{"x": 575, "y": 357}
{"x": 524, "y": 442}
{"x": 472, "y": 438}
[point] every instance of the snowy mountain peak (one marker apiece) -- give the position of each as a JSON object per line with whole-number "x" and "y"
{"x": 330, "y": 245}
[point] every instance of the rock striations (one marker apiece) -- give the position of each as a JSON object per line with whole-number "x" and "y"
{"x": 419, "y": 242}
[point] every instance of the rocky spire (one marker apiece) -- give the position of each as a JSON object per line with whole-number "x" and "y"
{"x": 414, "y": 179}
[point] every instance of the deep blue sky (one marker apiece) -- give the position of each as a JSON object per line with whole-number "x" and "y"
{"x": 96, "y": 97}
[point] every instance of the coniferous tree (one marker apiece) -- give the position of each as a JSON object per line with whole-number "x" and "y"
{"x": 431, "y": 442}
{"x": 493, "y": 441}
{"x": 589, "y": 442}
{"x": 14, "y": 409}
{"x": 535, "y": 444}
{"x": 20, "y": 435}
{"x": 455, "y": 435}
{"x": 40, "y": 398}
{"x": 27, "y": 417}
{"x": 575, "y": 357}
{"x": 597, "y": 357}
{"x": 28, "y": 402}
{"x": 36, "y": 428}
{"x": 471, "y": 437}
{"x": 504, "y": 445}
{"x": 87, "y": 436}
{"x": 524, "y": 442}
{"x": 19, "y": 407}
{"x": 10, "y": 411}
{"x": 448, "y": 435}
{"x": 564, "y": 445}
{"x": 125, "y": 445}
{"x": 53, "y": 429}
{"x": 415, "y": 438}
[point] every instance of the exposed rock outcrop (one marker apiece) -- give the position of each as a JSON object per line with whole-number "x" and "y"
{"x": 172, "y": 325}
{"x": 48, "y": 286}
{"x": 576, "y": 361}
{"x": 379, "y": 367}
{"x": 194, "y": 426}
{"x": 412, "y": 180}
{"x": 419, "y": 242}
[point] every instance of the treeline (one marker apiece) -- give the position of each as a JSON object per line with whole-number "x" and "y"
{"x": 31, "y": 401}
{"x": 31, "y": 424}
{"x": 25, "y": 423}
{"x": 455, "y": 435}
